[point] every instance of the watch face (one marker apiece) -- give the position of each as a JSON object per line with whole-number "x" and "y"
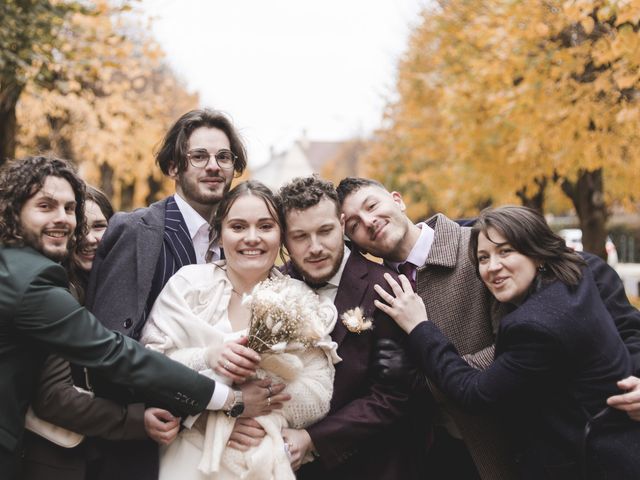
{"x": 236, "y": 410}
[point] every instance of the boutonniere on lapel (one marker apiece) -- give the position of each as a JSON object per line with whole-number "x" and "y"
{"x": 355, "y": 320}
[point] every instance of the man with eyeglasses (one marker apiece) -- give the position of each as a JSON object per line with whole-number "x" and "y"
{"x": 142, "y": 249}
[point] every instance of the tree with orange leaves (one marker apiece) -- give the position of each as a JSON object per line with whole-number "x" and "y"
{"x": 499, "y": 100}
{"x": 114, "y": 107}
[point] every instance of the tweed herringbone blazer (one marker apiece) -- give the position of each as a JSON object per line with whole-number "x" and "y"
{"x": 459, "y": 304}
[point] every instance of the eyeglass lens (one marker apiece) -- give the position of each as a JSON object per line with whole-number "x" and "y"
{"x": 199, "y": 158}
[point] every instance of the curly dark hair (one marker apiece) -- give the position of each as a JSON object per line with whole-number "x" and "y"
{"x": 174, "y": 147}
{"x": 305, "y": 192}
{"x": 22, "y": 179}
{"x": 527, "y": 232}
{"x": 350, "y": 185}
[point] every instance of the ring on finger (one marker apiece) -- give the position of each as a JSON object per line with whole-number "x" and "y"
{"x": 226, "y": 365}
{"x": 268, "y": 401}
{"x": 270, "y": 391}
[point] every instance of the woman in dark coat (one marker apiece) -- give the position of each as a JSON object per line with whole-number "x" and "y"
{"x": 558, "y": 354}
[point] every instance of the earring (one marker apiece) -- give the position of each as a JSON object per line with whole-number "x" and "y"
{"x": 542, "y": 268}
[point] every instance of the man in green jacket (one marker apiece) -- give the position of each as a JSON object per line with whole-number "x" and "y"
{"x": 41, "y": 218}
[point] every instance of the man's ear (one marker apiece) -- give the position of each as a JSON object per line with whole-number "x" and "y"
{"x": 173, "y": 171}
{"x": 397, "y": 197}
{"x": 342, "y": 222}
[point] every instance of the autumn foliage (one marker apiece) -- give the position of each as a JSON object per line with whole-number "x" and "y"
{"x": 108, "y": 100}
{"x": 502, "y": 101}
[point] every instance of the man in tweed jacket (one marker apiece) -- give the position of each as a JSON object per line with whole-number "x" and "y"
{"x": 455, "y": 299}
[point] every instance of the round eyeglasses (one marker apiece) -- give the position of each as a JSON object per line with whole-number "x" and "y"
{"x": 200, "y": 157}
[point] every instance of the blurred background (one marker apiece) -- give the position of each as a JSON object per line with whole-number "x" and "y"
{"x": 457, "y": 104}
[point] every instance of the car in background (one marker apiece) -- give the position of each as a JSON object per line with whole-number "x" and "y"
{"x": 573, "y": 239}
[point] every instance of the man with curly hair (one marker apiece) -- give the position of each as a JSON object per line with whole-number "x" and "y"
{"x": 369, "y": 431}
{"x": 41, "y": 217}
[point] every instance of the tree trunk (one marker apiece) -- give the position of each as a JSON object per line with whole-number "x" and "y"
{"x": 127, "y": 191}
{"x": 587, "y": 195}
{"x": 8, "y": 125}
{"x": 59, "y": 144}
{"x": 535, "y": 201}
{"x": 154, "y": 188}
{"x": 106, "y": 180}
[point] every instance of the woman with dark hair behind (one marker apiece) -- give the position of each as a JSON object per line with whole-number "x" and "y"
{"x": 58, "y": 400}
{"x": 558, "y": 355}
{"x": 97, "y": 211}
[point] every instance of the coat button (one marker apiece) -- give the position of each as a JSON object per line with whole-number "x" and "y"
{"x": 127, "y": 323}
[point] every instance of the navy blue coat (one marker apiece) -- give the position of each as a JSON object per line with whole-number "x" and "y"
{"x": 558, "y": 358}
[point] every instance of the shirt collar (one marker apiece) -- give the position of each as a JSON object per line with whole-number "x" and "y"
{"x": 335, "y": 280}
{"x": 420, "y": 251}
{"x": 193, "y": 219}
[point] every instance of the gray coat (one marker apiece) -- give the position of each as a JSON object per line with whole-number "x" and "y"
{"x": 123, "y": 269}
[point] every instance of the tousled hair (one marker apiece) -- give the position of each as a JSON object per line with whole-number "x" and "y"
{"x": 305, "y": 192}
{"x": 175, "y": 145}
{"x": 528, "y": 233}
{"x": 350, "y": 185}
{"x": 22, "y": 179}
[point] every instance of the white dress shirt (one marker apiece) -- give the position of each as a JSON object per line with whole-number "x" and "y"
{"x": 420, "y": 251}
{"x": 199, "y": 229}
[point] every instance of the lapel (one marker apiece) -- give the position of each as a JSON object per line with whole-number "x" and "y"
{"x": 148, "y": 242}
{"x": 177, "y": 235}
{"x": 444, "y": 250}
{"x": 351, "y": 290}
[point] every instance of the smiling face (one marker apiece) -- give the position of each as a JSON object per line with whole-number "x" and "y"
{"x": 97, "y": 226}
{"x": 314, "y": 240}
{"x": 203, "y": 188}
{"x": 375, "y": 221}
{"x": 48, "y": 218}
{"x": 506, "y": 272}
{"x": 250, "y": 237}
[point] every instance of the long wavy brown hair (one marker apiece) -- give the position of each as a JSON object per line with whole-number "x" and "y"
{"x": 22, "y": 179}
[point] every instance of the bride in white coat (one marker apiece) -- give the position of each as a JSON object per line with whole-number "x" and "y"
{"x": 200, "y": 313}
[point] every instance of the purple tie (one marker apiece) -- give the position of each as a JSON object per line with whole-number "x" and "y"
{"x": 408, "y": 269}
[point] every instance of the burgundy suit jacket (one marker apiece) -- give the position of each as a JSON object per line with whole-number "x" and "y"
{"x": 373, "y": 430}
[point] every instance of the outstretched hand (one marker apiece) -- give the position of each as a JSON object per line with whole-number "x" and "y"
{"x": 404, "y": 306}
{"x": 630, "y": 401}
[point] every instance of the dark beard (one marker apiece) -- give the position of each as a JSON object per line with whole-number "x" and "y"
{"x": 192, "y": 195}
{"x": 33, "y": 241}
{"x": 316, "y": 281}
